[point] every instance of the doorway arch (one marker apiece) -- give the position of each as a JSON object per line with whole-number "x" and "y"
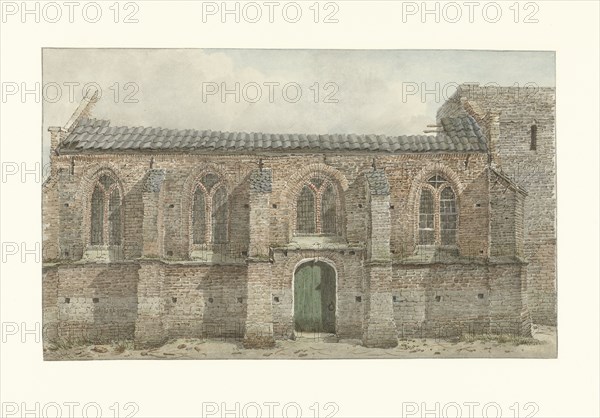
{"x": 315, "y": 296}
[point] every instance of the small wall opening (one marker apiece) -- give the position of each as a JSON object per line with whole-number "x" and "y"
{"x": 533, "y": 143}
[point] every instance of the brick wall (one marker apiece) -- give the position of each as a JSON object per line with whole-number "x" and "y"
{"x": 154, "y": 291}
{"x": 533, "y": 170}
{"x": 204, "y": 301}
{"x": 442, "y": 300}
{"x": 466, "y": 173}
{"x": 91, "y": 302}
{"x": 506, "y": 226}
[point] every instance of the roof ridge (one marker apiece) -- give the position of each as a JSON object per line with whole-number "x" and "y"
{"x": 210, "y": 132}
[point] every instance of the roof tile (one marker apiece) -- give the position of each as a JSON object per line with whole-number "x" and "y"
{"x": 458, "y": 134}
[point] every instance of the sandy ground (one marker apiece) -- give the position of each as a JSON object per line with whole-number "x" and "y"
{"x": 321, "y": 346}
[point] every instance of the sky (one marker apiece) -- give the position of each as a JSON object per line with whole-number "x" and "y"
{"x": 391, "y": 92}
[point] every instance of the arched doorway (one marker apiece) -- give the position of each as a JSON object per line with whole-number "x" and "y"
{"x": 314, "y": 297}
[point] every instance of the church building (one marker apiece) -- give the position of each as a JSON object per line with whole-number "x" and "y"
{"x": 152, "y": 234}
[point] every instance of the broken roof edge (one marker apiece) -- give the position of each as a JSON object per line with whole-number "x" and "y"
{"x": 83, "y": 111}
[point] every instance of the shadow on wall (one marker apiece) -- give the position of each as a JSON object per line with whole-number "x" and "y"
{"x": 114, "y": 299}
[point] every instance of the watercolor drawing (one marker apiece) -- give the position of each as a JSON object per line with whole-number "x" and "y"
{"x": 299, "y": 204}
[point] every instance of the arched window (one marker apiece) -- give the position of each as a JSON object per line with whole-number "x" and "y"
{"x": 438, "y": 213}
{"x": 328, "y": 211}
{"x": 306, "y": 216}
{"x": 210, "y": 211}
{"x": 426, "y": 218}
{"x": 448, "y": 216}
{"x": 317, "y": 208}
{"x": 199, "y": 216}
{"x": 219, "y": 216}
{"x": 106, "y": 213}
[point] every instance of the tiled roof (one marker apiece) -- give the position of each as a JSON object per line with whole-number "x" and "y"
{"x": 93, "y": 135}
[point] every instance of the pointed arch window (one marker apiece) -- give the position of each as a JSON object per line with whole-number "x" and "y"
{"x": 210, "y": 211}
{"x": 219, "y": 216}
{"x": 448, "y": 217}
{"x": 307, "y": 221}
{"x": 199, "y": 216}
{"x": 106, "y": 213}
{"x": 438, "y": 213}
{"x": 328, "y": 208}
{"x": 317, "y": 208}
{"x": 426, "y": 218}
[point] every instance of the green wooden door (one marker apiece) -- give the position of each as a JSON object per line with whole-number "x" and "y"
{"x": 314, "y": 298}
